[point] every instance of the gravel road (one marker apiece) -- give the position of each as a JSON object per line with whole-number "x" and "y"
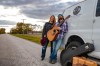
{"x": 15, "y": 51}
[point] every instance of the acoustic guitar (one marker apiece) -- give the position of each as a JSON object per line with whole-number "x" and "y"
{"x": 53, "y": 33}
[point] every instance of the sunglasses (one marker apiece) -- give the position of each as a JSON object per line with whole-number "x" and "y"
{"x": 60, "y": 18}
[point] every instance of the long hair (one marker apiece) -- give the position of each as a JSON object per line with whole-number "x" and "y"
{"x": 59, "y": 17}
{"x": 54, "y": 20}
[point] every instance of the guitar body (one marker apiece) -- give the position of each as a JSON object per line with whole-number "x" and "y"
{"x": 53, "y": 33}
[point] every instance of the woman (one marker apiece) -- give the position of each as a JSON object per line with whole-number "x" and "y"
{"x": 47, "y": 27}
{"x": 57, "y": 43}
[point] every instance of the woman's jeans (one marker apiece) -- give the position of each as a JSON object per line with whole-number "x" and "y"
{"x": 56, "y": 45}
{"x": 45, "y": 47}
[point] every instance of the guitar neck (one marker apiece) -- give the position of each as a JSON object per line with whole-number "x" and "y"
{"x": 60, "y": 24}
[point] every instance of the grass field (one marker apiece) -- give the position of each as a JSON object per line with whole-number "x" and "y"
{"x": 34, "y": 38}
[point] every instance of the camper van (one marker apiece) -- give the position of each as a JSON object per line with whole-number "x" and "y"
{"x": 83, "y": 27}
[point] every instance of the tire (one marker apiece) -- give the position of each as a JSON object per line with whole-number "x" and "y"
{"x": 61, "y": 55}
{"x": 65, "y": 59}
{"x": 73, "y": 45}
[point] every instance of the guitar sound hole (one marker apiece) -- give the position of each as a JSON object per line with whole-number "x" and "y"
{"x": 54, "y": 31}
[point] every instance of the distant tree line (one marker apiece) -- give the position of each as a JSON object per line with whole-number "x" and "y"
{"x": 21, "y": 28}
{"x": 2, "y": 30}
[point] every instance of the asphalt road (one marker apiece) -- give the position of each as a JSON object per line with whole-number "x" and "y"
{"x": 15, "y": 51}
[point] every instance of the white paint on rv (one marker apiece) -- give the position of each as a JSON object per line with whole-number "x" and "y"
{"x": 85, "y": 24}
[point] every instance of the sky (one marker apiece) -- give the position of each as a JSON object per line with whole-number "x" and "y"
{"x": 33, "y": 11}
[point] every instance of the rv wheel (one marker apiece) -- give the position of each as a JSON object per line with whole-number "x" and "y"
{"x": 65, "y": 58}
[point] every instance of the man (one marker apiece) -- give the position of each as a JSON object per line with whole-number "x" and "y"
{"x": 57, "y": 43}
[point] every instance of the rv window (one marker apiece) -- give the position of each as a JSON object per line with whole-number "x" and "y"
{"x": 76, "y": 10}
{"x": 98, "y": 9}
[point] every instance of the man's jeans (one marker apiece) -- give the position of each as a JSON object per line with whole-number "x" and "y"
{"x": 56, "y": 45}
{"x": 45, "y": 47}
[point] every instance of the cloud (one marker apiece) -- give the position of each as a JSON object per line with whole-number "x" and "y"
{"x": 6, "y": 22}
{"x": 71, "y": 3}
{"x": 44, "y": 12}
{"x": 41, "y": 12}
{"x": 38, "y": 9}
{"x": 25, "y": 2}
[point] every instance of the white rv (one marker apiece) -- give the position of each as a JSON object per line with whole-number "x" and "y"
{"x": 83, "y": 27}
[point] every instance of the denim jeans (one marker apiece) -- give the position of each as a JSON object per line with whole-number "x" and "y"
{"x": 45, "y": 47}
{"x": 56, "y": 45}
